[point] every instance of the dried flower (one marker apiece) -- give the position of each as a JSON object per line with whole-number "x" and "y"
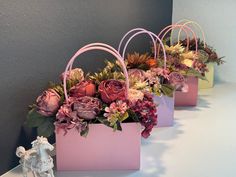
{"x": 117, "y": 111}
{"x": 83, "y": 88}
{"x": 112, "y": 90}
{"x": 178, "y": 81}
{"x": 48, "y": 103}
{"x": 146, "y": 111}
{"x": 87, "y": 107}
{"x": 135, "y": 95}
{"x": 76, "y": 74}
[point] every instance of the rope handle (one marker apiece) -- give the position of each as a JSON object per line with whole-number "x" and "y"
{"x": 143, "y": 31}
{"x": 96, "y": 46}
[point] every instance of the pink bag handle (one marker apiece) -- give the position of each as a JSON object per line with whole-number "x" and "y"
{"x": 136, "y": 30}
{"x": 154, "y": 42}
{"x": 186, "y": 22}
{"x": 171, "y": 27}
{"x": 96, "y": 46}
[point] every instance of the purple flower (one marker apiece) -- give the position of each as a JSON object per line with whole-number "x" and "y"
{"x": 178, "y": 81}
{"x": 87, "y": 107}
{"x": 48, "y": 103}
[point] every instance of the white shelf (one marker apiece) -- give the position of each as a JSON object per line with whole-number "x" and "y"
{"x": 202, "y": 142}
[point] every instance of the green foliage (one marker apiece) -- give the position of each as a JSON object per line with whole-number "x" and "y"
{"x": 193, "y": 72}
{"x": 167, "y": 90}
{"x": 111, "y": 71}
{"x": 45, "y": 126}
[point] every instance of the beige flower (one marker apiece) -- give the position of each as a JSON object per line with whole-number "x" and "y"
{"x": 135, "y": 95}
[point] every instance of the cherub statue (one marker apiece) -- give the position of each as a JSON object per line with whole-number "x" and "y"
{"x": 37, "y": 159}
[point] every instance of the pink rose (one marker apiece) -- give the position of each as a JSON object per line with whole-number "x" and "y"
{"x": 178, "y": 81}
{"x": 84, "y": 88}
{"x": 136, "y": 74}
{"x": 48, "y": 103}
{"x": 111, "y": 90}
{"x": 76, "y": 74}
{"x": 87, "y": 107}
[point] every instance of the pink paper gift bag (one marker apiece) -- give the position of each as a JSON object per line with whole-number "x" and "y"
{"x": 102, "y": 149}
{"x": 165, "y": 110}
{"x": 188, "y": 98}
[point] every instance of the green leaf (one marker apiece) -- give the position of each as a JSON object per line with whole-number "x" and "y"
{"x": 118, "y": 124}
{"x": 167, "y": 90}
{"x": 124, "y": 117}
{"x": 47, "y": 128}
{"x": 34, "y": 119}
{"x": 193, "y": 72}
{"x": 84, "y": 133}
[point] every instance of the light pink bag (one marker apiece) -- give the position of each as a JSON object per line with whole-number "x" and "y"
{"x": 102, "y": 149}
{"x": 188, "y": 98}
{"x": 165, "y": 108}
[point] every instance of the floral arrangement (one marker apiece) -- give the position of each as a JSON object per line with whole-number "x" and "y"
{"x": 182, "y": 63}
{"x": 146, "y": 75}
{"x": 209, "y": 52}
{"x": 94, "y": 98}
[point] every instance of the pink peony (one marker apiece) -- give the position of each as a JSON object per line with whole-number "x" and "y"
{"x": 84, "y": 88}
{"x": 67, "y": 117}
{"x": 112, "y": 90}
{"x": 87, "y": 107}
{"x": 178, "y": 81}
{"x": 136, "y": 74}
{"x": 48, "y": 103}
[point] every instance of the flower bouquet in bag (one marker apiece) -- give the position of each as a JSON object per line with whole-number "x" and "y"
{"x": 94, "y": 116}
{"x": 209, "y": 55}
{"x": 146, "y": 75}
{"x": 186, "y": 67}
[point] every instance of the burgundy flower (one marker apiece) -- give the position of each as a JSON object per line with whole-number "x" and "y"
{"x": 76, "y": 74}
{"x": 83, "y": 88}
{"x": 146, "y": 111}
{"x": 48, "y": 103}
{"x": 112, "y": 90}
{"x": 87, "y": 107}
{"x": 178, "y": 81}
{"x": 67, "y": 117}
{"x": 136, "y": 74}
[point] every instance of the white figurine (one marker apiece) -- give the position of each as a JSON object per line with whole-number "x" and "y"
{"x": 37, "y": 159}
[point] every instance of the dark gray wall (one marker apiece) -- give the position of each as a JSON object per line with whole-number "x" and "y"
{"x": 37, "y": 37}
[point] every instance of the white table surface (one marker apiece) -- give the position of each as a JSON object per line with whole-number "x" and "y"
{"x": 202, "y": 143}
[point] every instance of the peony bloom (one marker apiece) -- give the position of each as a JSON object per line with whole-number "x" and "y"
{"x": 111, "y": 90}
{"x": 135, "y": 95}
{"x": 76, "y": 74}
{"x": 83, "y": 88}
{"x": 178, "y": 81}
{"x": 48, "y": 103}
{"x": 136, "y": 74}
{"x": 87, "y": 107}
{"x": 67, "y": 117}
